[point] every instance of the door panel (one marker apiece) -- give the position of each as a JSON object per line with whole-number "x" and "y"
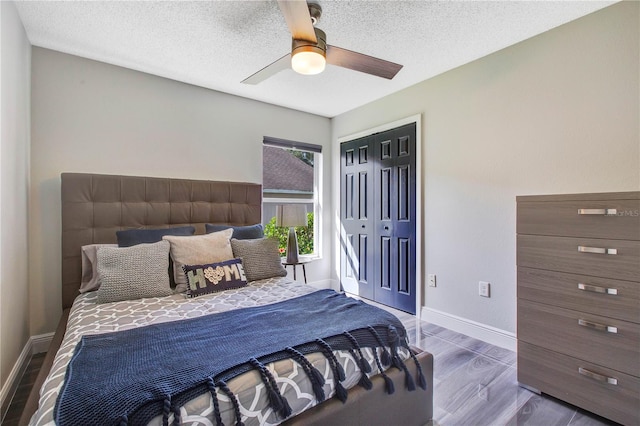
{"x": 384, "y": 195}
{"x": 404, "y": 204}
{"x": 363, "y": 262}
{"x": 349, "y": 201}
{"x": 404, "y": 264}
{"x": 364, "y": 154}
{"x": 404, "y": 146}
{"x": 385, "y": 265}
{"x": 350, "y": 255}
{"x": 363, "y": 195}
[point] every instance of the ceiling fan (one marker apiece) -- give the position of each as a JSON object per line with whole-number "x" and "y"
{"x": 310, "y": 51}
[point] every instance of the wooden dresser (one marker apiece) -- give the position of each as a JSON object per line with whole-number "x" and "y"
{"x": 578, "y": 260}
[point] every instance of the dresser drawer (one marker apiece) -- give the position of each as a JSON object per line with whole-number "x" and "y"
{"x": 568, "y": 378}
{"x": 613, "y": 219}
{"x": 599, "y": 296}
{"x": 580, "y": 256}
{"x": 605, "y": 341}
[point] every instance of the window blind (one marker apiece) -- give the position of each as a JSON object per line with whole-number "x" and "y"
{"x": 287, "y": 144}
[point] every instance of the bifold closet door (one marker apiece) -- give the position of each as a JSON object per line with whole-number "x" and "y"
{"x": 378, "y": 217}
{"x": 356, "y": 213}
{"x": 395, "y": 218}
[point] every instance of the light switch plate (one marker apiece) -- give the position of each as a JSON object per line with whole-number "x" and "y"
{"x": 432, "y": 280}
{"x": 484, "y": 289}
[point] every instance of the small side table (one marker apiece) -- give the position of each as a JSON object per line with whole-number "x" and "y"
{"x": 300, "y": 262}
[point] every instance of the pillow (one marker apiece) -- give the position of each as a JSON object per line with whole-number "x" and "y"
{"x": 89, "y": 255}
{"x": 198, "y": 250}
{"x": 260, "y": 258}
{"x": 133, "y": 272}
{"x": 239, "y": 232}
{"x": 214, "y": 277}
{"x": 132, "y": 237}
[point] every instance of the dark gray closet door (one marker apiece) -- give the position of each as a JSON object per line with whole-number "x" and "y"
{"x": 378, "y": 214}
{"x": 356, "y": 213}
{"x": 395, "y": 218}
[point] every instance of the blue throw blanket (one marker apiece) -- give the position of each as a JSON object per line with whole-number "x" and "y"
{"x": 132, "y": 376}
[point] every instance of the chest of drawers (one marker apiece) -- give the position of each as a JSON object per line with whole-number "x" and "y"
{"x": 578, "y": 265}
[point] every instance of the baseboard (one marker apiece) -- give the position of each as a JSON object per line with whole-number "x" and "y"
{"x": 486, "y": 333}
{"x": 331, "y": 284}
{"x": 13, "y": 380}
{"x": 41, "y": 343}
{"x": 35, "y": 345}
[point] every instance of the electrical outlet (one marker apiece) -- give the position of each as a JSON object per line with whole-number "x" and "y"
{"x": 432, "y": 280}
{"x": 484, "y": 289}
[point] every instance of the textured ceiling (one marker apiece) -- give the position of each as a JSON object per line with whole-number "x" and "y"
{"x": 217, "y": 44}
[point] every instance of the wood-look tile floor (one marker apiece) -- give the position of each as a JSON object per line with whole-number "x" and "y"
{"x": 474, "y": 384}
{"x": 14, "y": 411}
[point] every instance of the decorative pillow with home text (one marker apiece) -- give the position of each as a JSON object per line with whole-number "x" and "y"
{"x": 214, "y": 277}
{"x": 198, "y": 250}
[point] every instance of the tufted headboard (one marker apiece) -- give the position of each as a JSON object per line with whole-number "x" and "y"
{"x": 95, "y": 206}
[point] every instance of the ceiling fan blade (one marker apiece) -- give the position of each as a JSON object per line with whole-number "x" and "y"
{"x": 270, "y": 70}
{"x": 361, "y": 62}
{"x": 296, "y": 13}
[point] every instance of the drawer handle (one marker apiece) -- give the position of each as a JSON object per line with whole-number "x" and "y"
{"x": 597, "y": 326}
{"x": 597, "y": 250}
{"x": 598, "y": 377}
{"x": 596, "y": 289}
{"x": 598, "y": 212}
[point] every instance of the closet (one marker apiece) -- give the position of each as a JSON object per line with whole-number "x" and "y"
{"x": 378, "y": 217}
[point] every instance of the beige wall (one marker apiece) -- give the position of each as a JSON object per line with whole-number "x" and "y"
{"x": 557, "y": 113}
{"x": 14, "y": 178}
{"x": 88, "y": 116}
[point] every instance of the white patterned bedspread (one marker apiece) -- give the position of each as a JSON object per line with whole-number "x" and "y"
{"x": 87, "y": 318}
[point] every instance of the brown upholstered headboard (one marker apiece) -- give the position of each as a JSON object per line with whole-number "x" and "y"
{"x": 95, "y": 206}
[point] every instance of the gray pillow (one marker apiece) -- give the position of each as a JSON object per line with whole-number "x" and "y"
{"x": 90, "y": 279}
{"x": 133, "y": 237}
{"x": 260, "y": 258}
{"x": 249, "y": 232}
{"x": 135, "y": 272}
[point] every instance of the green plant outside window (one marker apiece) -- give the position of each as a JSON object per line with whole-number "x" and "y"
{"x": 305, "y": 235}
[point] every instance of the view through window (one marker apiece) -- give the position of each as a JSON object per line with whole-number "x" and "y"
{"x": 289, "y": 176}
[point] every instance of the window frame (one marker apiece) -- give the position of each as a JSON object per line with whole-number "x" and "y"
{"x": 316, "y": 198}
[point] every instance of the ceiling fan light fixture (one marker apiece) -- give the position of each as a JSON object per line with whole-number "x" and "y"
{"x": 309, "y": 58}
{"x": 308, "y": 62}
{"x": 310, "y": 52}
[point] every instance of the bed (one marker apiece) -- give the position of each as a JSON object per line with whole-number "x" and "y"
{"x": 95, "y": 207}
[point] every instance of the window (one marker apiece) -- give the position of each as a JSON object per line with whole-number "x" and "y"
{"x": 291, "y": 175}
